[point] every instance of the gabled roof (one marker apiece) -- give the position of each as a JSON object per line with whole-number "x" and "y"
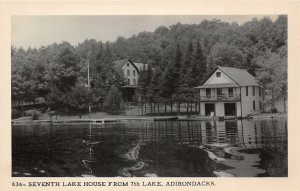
{"x": 120, "y": 63}
{"x": 239, "y": 76}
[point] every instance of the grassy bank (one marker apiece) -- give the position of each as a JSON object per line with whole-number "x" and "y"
{"x": 45, "y": 117}
{"x": 270, "y": 116}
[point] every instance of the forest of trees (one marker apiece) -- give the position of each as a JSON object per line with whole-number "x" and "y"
{"x": 179, "y": 58}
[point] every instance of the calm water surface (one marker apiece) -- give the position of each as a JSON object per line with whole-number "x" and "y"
{"x": 243, "y": 148}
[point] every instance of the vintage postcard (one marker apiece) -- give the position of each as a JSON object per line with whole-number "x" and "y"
{"x": 123, "y": 95}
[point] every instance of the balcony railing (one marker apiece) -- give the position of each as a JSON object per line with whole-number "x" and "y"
{"x": 221, "y": 98}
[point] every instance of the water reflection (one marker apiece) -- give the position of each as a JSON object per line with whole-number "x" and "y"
{"x": 144, "y": 148}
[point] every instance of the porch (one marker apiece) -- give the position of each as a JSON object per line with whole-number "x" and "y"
{"x": 223, "y": 98}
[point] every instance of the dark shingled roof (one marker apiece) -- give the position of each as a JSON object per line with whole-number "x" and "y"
{"x": 240, "y": 76}
{"x": 120, "y": 63}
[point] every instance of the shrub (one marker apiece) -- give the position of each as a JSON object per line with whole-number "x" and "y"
{"x": 33, "y": 113}
{"x": 113, "y": 102}
{"x": 35, "y": 116}
{"x": 16, "y": 113}
{"x": 273, "y": 110}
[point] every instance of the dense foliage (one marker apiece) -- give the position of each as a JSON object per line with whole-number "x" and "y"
{"x": 179, "y": 58}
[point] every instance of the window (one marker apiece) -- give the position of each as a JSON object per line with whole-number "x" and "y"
{"x": 134, "y": 82}
{"x": 128, "y": 81}
{"x": 208, "y": 95}
{"x": 219, "y": 91}
{"x": 253, "y": 105}
{"x": 133, "y": 72}
{"x": 260, "y": 106}
{"x": 127, "y": 64}
{"x": 259, "y": 91}
{"x": 230, "y": 92}
{"x": 128, "y": 72}
{"x": 246, "y": 90}
{"x": 218, "y": 74}
{"x": 253, "y": 91}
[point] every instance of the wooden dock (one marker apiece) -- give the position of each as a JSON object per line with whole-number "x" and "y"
{"x": 121, "y": 119}
{"x": 94, "y": 121}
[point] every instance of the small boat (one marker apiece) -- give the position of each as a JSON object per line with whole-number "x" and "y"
{"x": 165, "y": 118}
{"x": 229, "y": 117}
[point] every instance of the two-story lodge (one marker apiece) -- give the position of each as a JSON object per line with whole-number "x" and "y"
{"x": 230, "y": 92}
{"x": 130, "y": 71}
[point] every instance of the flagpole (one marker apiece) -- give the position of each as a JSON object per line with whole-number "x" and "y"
{"x": 88, "y": 63}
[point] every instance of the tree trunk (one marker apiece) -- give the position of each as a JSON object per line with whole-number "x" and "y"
{"x": 284, "y": 106}
{"x": 187, "y": 108}
{"x": 33, "y": 100}
{"x": 192, "y": 107}
{"x": 22, "y": 108}
{"x": 158, "y": 109}
{"x": 178, "y": 108}
{"x": 19, "y": 102}
{"x": 165, "y": 108}
{"x": 273, "y": 101}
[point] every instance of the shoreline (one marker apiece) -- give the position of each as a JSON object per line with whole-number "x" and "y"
{"x": 120, "y": 118}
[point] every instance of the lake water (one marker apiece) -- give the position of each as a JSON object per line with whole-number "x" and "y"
{"x": 242, "y": 148}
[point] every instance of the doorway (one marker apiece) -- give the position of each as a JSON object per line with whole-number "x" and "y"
{"x": 209, "y": 109}
{"x": 230, "y": 109}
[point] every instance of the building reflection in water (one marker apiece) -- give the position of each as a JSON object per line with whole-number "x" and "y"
{"x": 243, "y": 133}
{"x": 266, "y": 139}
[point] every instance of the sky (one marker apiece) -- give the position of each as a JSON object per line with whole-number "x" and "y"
{"x": 37, "y": 31}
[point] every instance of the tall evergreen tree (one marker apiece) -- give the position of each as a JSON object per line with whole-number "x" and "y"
{"x": 114, "y": 102}
{"x": 168, "y": 82}
{"x": 154, "y": 87}
{"x": 187, "y": 62}
{"x": 184, "y": 88}
{"x": 149, "y": 73}
{"x": 177, "y": 65}
{"x": 98, "y": 65}
{"x": 199, "y": 67}
{"x": 171, "y": 75}
{"x": 141, "y": 90}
